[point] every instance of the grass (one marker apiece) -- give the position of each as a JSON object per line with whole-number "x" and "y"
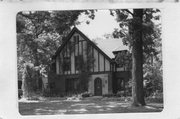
{"x": 86, "y": 106}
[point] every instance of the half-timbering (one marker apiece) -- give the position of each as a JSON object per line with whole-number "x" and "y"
{"x": 79, "y": 65}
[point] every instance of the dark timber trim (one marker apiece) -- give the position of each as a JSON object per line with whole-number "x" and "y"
{"x": 82, "y": 49}
{"x": 98, "y": 63}
{"x": 85, "y": 38}
{"x": 93, "y": 57}
{"x": 63, "y": 53}
{"x": 78, "y": 45}
{"x": 78, "y": 50}
{"x": 74, "y": 54}
{"x": 100, "y": 72}
{"x": 104, "y": 64}
{"x": 59, "y": 63}
{"x": 66, "y": 51}
{"x": 111, "y": 67}
{"x": 68, "y": 45}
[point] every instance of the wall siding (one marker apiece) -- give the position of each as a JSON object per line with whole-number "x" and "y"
{"x": 72, "y": 63}
{"x": 107, "y": 63}
{"x": 96, "y": 60}
{"x": 57, "y": 65}
{"x": 60, "y": 63}
{"x": 101, "y": 61}
{"x": 101, "y": 67}
{"x": 84, "y": 50}
{"x": 100, "y": 64}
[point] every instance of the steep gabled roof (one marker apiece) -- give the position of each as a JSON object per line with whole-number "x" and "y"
{"x": 85, "y": 38}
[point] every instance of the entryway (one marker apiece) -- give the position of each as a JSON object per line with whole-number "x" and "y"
{"x": 98, "y": 87}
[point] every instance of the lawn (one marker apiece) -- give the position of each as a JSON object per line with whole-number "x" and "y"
{"x": 93, "y": 105}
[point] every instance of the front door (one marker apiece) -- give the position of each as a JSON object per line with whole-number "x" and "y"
{"x": 98, "y": 87}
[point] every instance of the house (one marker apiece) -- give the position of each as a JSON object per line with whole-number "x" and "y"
{"x": 80, "y": 65}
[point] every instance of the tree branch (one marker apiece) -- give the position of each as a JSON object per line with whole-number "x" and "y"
{"x": 129, "y": 12}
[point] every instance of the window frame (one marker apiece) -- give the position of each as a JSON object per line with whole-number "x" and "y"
{"x": 66, "y": 64}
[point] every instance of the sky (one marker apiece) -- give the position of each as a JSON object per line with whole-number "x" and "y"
{"x": 103, "y": 23}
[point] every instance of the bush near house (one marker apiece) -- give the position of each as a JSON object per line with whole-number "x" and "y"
{"x": 20, "y": 93}
{"x": 86, "y": 94}
{"x": 31, "y": 82}
{"x": 109, "y": 95}
{"x": 156, "y": 97}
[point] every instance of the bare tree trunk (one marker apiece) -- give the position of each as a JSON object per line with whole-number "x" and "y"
{"x": 137, "y": 58}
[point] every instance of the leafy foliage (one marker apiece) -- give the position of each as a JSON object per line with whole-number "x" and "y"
{"x": 40, "y": 33}
{"x": 151, "y": 29}
{"x": 123, "y": 59}
{"x": 140, "y": 31}
{"x": 153, "y": 80}
{"x": 85, "y": 67}
{"x": 31, "y": 81}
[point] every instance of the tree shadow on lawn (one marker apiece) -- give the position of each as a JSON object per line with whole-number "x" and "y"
{"x": 83, "y": 107}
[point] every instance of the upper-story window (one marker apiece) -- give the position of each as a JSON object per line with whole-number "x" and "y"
{"x": 76, "y": 39}
{"x": 78, "y": 62}
{"x": 67, "y": 64}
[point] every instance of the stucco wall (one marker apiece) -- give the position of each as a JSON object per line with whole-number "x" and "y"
{"x": 45, "y": 82}
{"x": 96, "y": 60}
{"x": 57, "y": 65}
{"x": 101, "y": 61}
{"x": 104, "y": 78}
{"x": 107, "y": 65}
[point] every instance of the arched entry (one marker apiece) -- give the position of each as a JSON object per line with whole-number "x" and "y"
{"x": 97, "y": 87}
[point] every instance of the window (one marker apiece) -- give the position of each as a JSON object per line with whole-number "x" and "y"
{"x": 76, "y": 39}
{"x": 52, "y": 85}
{"x": 72, "y": 85}
{"x": 53, "y": 67}
{"x": 78, "y": 62}
{"x": 67, "y": 64}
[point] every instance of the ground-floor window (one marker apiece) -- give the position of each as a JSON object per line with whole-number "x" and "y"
{"x": 72, "y": 85}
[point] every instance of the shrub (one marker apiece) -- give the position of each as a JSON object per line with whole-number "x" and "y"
{"x": 86, "y": 94}
{"x": 155, "y": 97}
{"x": 120, "y": 94}
{"x": 30, "y": 81}
{"x": 20, "y": 93}
{"x": 108, "y": 95}
{"x": 153, "y": 80}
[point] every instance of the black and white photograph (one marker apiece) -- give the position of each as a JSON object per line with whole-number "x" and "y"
{"x": 92, "y": 61}
{"x": 104, "y": 59}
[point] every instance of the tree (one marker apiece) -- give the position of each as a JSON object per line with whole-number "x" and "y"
{"x": 29, "y": 85}
{"x": 137, "y": 60}
{"x": 138, "y": 32}
{"x": 40, "y": 33}
{"x": 123, "y": 59}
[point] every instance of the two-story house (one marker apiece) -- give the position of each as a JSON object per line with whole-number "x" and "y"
{"x": 79, "y": 64}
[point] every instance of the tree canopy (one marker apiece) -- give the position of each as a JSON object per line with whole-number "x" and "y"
{"x": 40, "y": 33}
{"x": 138, "y": 29}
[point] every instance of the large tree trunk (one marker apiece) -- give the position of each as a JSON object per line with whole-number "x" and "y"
{"x": 137, "y": 59}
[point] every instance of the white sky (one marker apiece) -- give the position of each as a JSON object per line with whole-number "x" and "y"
{"x": 103, "y": 23}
